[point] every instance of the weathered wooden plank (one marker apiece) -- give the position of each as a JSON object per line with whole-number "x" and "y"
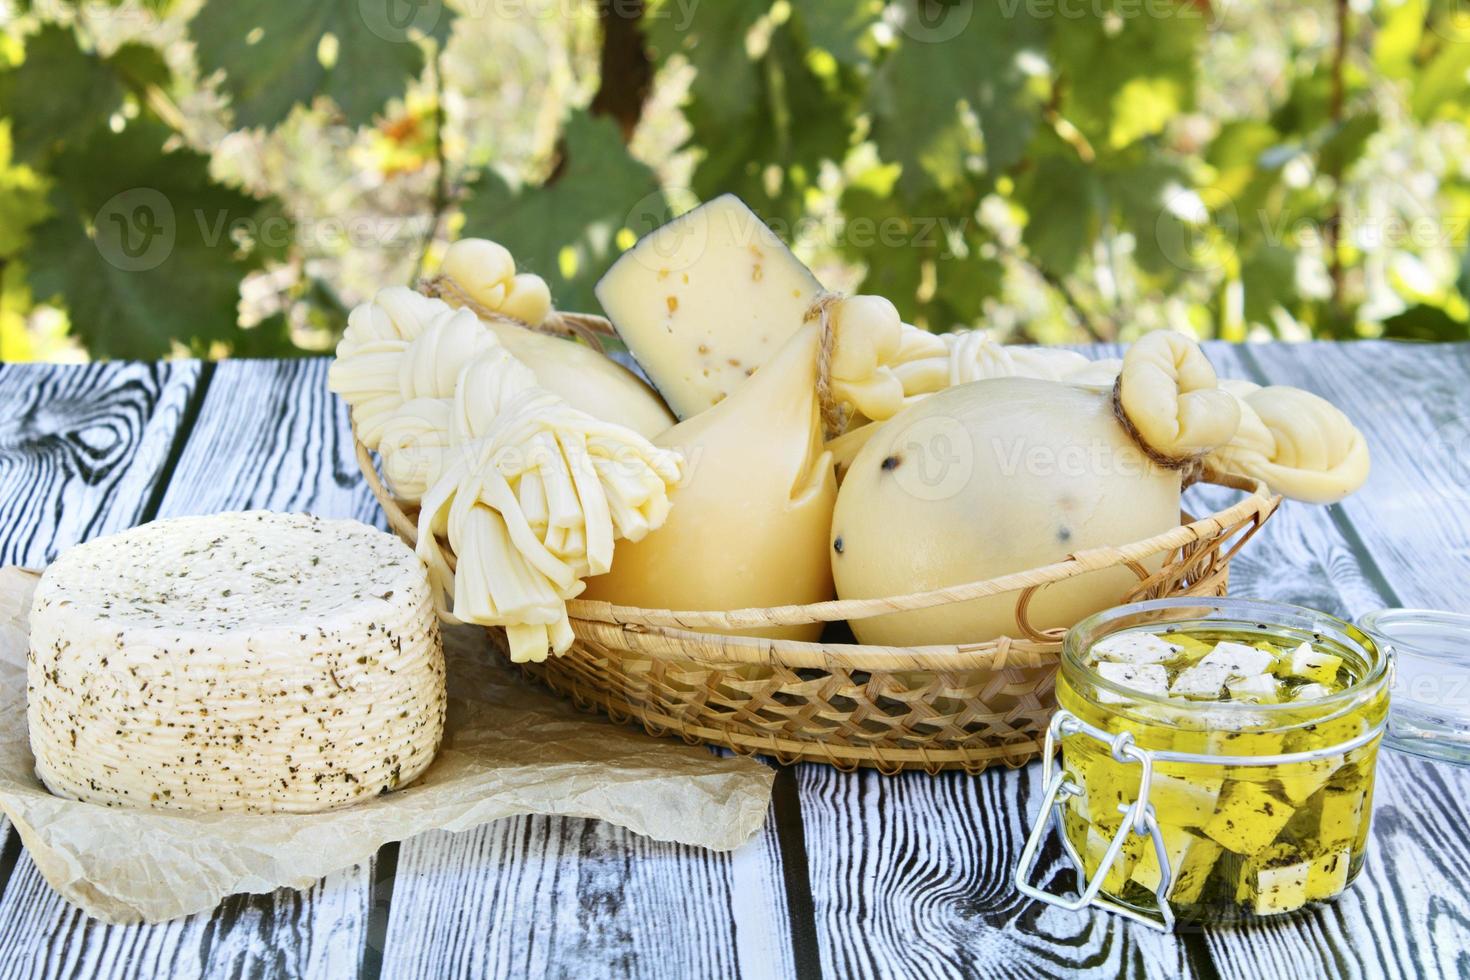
{"x": 1412, "y": 401}
{"x": 270, "y": 436}
{"x": 1410, "y": 528}
{"x": 82, "y": 453}
{"x": 537, "y": 896}
{"x": 266, "y": 436}
{"x": 81, "y": 449}
{"x": 312, "y": 933}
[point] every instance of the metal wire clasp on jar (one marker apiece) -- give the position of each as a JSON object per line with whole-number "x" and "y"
{"x": 1210, "y": 811}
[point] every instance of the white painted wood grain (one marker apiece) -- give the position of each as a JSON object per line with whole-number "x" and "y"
{"x": 537, "y": 896}
{"x": 81, "y": 448}
{"x": 314, "y": 933}
{"x": 270, "y": 436}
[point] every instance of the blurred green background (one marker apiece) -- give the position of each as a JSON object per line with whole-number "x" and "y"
{"x": 221, "y": 177}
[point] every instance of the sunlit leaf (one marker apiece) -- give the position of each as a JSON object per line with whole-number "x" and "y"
{"x": 566, "y": 229}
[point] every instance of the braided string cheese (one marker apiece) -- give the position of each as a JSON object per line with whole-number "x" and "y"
{"x": 1171, "y": 397}
{"x": 399, "y": 347}
{"x": 1296, "y": 443}
{"x": 529, "y": 492}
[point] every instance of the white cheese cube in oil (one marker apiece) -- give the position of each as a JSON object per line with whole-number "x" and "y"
{"x": 1260, "y": 689}
{"x": 1135, "y": 647}
{"x": 1329, "y": 874}
{"x": 1143, "y": 678}
{"x": 1311, "y": 692}
{"x": 1248, "y": 818}
{"x": 1191, "y": 858}
{"x": 1184, "y": 794}
{"x": 1276, "y": 889}
{"x": 1307, "y": 663}
{"x": 1239, "y": 660}
{"x": 1202, "y": 682}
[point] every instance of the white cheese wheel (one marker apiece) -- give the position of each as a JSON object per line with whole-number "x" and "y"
{"x": 239, "y": 662}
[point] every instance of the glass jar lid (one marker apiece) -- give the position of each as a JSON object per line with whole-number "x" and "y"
{"x": 1430, "y": 713}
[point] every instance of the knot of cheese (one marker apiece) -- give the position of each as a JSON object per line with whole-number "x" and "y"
{"x": 530, "y": 492}
{"x": 1296, "y": 443}
{"x": 867, "y": 336}
{"x": 1168, "y": 393}
{"x": 486, "y": 273}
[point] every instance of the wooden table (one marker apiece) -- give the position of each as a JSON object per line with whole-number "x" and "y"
{"x": 853, "y": 875}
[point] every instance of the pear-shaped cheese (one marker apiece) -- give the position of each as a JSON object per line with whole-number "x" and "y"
{"x": 748, "y": 526}
{"x": 985, "y": 479}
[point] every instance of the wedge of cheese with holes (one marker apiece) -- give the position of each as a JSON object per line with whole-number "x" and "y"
{"x": 706, "y": 299}
{"x": 240, "y": 662}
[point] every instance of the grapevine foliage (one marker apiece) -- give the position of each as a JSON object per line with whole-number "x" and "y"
{"x": 954, "y": 153}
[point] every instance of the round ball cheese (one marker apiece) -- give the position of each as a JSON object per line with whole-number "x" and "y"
{"x": 239, "y": 662}
{"x": 985, "y": 479}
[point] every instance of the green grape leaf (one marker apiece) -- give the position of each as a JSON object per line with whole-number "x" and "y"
{"x": 270, "y": 337}
{"x": 1397, "y": 39}
{"x": 763, "y": 124}
{"x": 931, "y": 268}
{"x": 1268, "y": 278}
{"x": 1063, "y": 202}
{"x": 272, "y": 52}
{"x": 57, "y": 95}
{"x": 1344, "y": 143}
{"x": 141, "y": 245}
{"x": 22, "y": 199}
{"x": 947, "y": 55}
{"x": 140, "y": 65}
{"x": 1241, "y": 156}
{"x": 1441, "y": 84}
{"x": 1127, "y": 68}
{"x": 1155, "y": 200}
{"x": 838, "y": 26}
{"x": 1425, "y": 322}
{"x": 566, "y": 230}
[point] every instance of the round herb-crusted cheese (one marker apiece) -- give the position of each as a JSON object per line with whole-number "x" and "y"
{"x": 239, "y": 662}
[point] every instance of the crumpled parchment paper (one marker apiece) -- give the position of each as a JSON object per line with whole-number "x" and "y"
{"x": 509, "y": 748}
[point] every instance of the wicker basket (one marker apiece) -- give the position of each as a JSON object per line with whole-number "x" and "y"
{"x": 843, "y": 703}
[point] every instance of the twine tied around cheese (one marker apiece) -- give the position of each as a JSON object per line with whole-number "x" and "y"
{"x": 583, "y": 326}
{"x": 1191, "y": 468}
{"x": 834, "y": 418}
